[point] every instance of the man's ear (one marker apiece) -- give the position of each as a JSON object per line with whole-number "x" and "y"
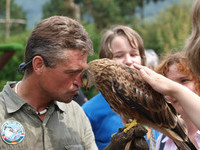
{"x": 38, "y": 64}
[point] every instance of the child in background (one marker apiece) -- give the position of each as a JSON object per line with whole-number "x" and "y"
{"x": 176, "y": 67}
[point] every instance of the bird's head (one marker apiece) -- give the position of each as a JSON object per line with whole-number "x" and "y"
{"x": 94, "y": 72}
{"x": 87, "y": 79}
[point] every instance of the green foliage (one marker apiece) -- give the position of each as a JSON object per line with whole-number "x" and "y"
{"x": 9, "y": 72}
{"x": 95, "y": 37}
{"x": 11, "y": 47}
{"x": 16, "y": 12}
{"x": 104, "y": 13}
{"x": 91, "y": 92}
{"x": 57, "y": 7}
{"x": 168, "y": 30}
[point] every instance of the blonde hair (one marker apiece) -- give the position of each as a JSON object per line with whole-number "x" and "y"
{"x": 192, "y": 46}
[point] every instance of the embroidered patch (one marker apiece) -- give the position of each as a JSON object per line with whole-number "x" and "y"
{"x": 12, "y": 132}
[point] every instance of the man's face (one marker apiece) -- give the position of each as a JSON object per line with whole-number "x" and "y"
{"x": 62, "y": 82}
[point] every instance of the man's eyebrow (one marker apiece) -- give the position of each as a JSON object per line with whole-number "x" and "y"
{"x": 73, "y": 70}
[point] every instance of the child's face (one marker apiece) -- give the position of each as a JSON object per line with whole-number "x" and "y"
{"x": 123, "y": 52}
{"x": 186, "y": 80}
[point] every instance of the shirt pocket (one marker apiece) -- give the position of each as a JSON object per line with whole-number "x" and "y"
{"x": 74, "y": 147}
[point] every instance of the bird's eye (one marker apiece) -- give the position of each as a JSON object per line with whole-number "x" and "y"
{"x": 84, "y": 76}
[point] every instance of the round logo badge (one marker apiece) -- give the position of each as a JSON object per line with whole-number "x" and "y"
{"x": 12, "y": 132}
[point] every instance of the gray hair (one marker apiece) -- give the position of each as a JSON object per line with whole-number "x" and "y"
{"x": 54, "y": 35}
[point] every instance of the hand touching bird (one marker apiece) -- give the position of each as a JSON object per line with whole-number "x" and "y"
{"x": 131, "y": 97}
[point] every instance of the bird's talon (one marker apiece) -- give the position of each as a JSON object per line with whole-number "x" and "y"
{"x": 130, "y": 125}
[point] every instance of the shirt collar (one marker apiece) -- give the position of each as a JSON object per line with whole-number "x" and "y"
{"x": 59, "y": 105}
{"x": 12, "y": 101}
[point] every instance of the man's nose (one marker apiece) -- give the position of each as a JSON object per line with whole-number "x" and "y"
{"x": 78, "y": 80}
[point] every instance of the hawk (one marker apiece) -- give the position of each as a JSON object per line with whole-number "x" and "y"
{"x": 132, "y": 98}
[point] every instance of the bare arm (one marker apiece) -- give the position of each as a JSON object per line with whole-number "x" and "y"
{"x": 188, "y": 100}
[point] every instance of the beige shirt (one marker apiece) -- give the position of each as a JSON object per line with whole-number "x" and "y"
{"x": 65, "y": 126}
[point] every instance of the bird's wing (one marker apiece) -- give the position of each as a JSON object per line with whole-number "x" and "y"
{"x": 149, "y": 104}
{"x": 136, "y": 93}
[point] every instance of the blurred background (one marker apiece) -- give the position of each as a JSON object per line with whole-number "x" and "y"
{"x": 163, "y": 24}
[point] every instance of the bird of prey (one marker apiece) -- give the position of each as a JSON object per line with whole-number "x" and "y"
{"x": 132, "y": 98}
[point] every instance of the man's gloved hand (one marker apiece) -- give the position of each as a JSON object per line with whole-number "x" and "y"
{"x": 134, "y": 136}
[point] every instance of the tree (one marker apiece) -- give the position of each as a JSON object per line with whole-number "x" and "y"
{"x": 16, "y": 12}
{"x": 61, "y": 7}
{"x": 142, "y": 3}
{"x": 168, "y": 31}
{"x": 106, "y": 13}
{"x": 9, "y": 72}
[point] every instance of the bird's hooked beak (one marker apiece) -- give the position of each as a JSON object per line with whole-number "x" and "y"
{"x": 85, "y": 84}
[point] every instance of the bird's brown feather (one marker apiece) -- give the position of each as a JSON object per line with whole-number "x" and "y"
{"x": 131, "y": 97}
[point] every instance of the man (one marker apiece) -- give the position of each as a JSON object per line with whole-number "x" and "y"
{"x": 37, "y": 113}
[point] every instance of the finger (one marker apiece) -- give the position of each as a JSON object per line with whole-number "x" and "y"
{"x": 144, "y": 75}
{"x": 137, "y": 66}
